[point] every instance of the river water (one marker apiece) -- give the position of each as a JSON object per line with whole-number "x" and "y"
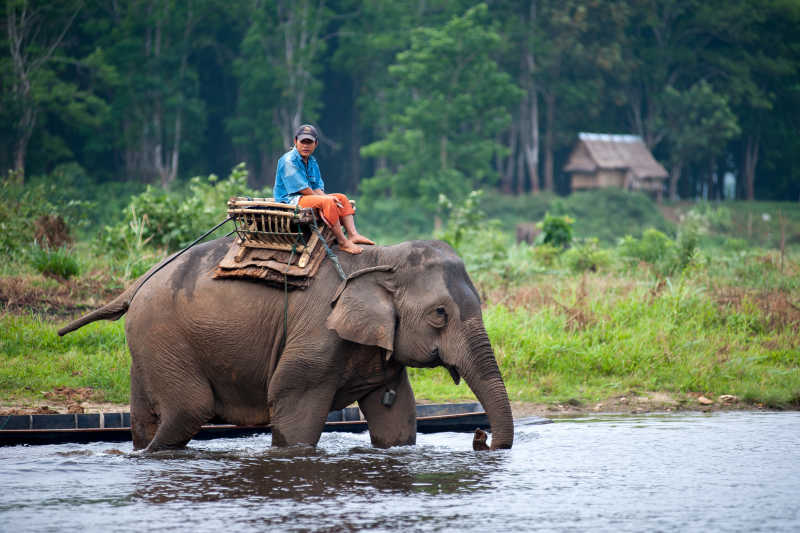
{"x": 735, "y": 471}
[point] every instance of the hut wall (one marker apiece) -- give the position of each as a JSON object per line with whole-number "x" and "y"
{"x": 610, "y": 178}
{"x": 581, "y": 180}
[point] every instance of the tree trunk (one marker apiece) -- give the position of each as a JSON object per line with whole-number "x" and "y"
{"x": 674, "y": 177}
{"x": 550, "y": 103}
{"x": 750, "y": 162}
{"x": 25, "y": 126}
{"x": 530, "y": 137}
{"x": 510, "y": 162}
{"x": 301, "y": 27}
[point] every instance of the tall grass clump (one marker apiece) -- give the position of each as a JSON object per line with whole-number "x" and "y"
{"x": 58, "y": 262}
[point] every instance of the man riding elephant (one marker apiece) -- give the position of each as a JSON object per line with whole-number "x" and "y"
{"x": 298, "y": 181}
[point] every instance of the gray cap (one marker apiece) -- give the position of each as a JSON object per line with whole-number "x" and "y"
{"x": 306, "y": 131}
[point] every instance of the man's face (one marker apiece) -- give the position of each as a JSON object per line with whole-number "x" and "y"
{"x": 306, "y": 147}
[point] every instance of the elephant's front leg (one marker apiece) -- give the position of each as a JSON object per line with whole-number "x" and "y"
{"x": 395, "y": 425}
{"x": 300, "y": 397}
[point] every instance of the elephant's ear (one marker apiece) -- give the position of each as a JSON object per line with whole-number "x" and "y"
{"x": 363, "y": 311}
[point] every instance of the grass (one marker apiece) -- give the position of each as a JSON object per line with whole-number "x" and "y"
{"x": 587, "y": 339}
{"x": 34, "y": 359}
{"x": 565, "y": 338}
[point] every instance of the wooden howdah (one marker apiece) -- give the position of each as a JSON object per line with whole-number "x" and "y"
{"x": 274, "y": 242}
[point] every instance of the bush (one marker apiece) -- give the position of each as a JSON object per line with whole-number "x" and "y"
{"x": 654, "y": 247}
{"x": 58, "y": 262}
{"x": 556, "y": 230}
{"x": 546, "y": 255}
{"x": 173, "y": 219}
{"x": 463, "y": 220}
{"x": 586, "y": 255}
{"x": 707, "y": 218}
{"x": 688, "y": 240}
{"x": 22, "y": 204}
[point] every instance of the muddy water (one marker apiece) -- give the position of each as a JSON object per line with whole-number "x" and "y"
{"x": 689, "y": 472}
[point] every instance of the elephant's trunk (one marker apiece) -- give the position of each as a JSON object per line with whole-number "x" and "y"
{"x": 479, "y": 369}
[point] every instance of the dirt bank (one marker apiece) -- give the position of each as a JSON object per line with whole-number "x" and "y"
{"x": 67, "y": 400}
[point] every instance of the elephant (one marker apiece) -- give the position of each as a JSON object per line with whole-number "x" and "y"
{"x": 243, "y": 352}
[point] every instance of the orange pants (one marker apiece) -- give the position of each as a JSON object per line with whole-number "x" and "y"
{"x": 331, "y": 213}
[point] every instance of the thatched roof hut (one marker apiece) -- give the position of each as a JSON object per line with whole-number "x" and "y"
{"x": 603, "y": 160}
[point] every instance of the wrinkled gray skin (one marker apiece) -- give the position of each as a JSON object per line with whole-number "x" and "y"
{"x": 206, "y": 349}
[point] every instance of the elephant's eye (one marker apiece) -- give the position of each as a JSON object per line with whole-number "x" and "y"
{"x": 438, "y": 318}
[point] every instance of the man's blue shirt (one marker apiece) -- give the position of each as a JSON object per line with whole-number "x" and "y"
{"x": 293, "y": 176}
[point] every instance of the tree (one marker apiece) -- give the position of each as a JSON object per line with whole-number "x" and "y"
{"x": 35, "y": 32}
{"x": 278, "y": 72}
{"x": 444, "y": 140}
{"x": 151, "y": 43}
{"x": 760, "y": 82}
{"x": 367, "y": 45}
{"x": 698, "y": 126}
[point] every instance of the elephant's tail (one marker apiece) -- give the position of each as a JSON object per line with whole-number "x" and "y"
{"x": 119, "y": 306}
{"x": 111, "y": 311}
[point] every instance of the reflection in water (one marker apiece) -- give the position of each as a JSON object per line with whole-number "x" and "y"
{"x": 730, "y": 471}
{"x": 305, "y": 474}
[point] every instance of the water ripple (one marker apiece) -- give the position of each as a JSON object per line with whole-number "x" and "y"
{"x": 728, "y": 471}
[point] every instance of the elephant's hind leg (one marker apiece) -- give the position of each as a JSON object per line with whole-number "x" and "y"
{"x": 144, "y": 421}
{"x": 181, "y": 417}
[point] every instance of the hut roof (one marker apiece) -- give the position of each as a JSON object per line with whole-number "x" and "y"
{"x": 604, "y": 151}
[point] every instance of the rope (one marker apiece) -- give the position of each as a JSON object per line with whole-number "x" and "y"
{"x": 174, "y": 257}
{"x": 328, "y": 251}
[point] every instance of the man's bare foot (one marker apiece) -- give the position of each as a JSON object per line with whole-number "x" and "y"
{"x": 350, "y": 247}
{"x": 357, "y": 238}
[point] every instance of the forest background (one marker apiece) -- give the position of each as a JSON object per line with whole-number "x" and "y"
{"x": 412, "y": 97}
{"x": 126, "y": 126}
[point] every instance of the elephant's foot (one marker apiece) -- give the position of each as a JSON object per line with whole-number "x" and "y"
{"x": 172, "y": 436}
{"x": 144, "y": 425}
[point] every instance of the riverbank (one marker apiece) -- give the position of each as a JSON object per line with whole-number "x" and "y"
{"x": 65, "y": 400}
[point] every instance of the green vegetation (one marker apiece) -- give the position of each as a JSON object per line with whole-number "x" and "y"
{"x": 417, "y": 98}
{"x": 695, "y": 308}
{"x": 585, "y": 339}
{"x": 35, "y": 359}
{"x": 58, "y": 262}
